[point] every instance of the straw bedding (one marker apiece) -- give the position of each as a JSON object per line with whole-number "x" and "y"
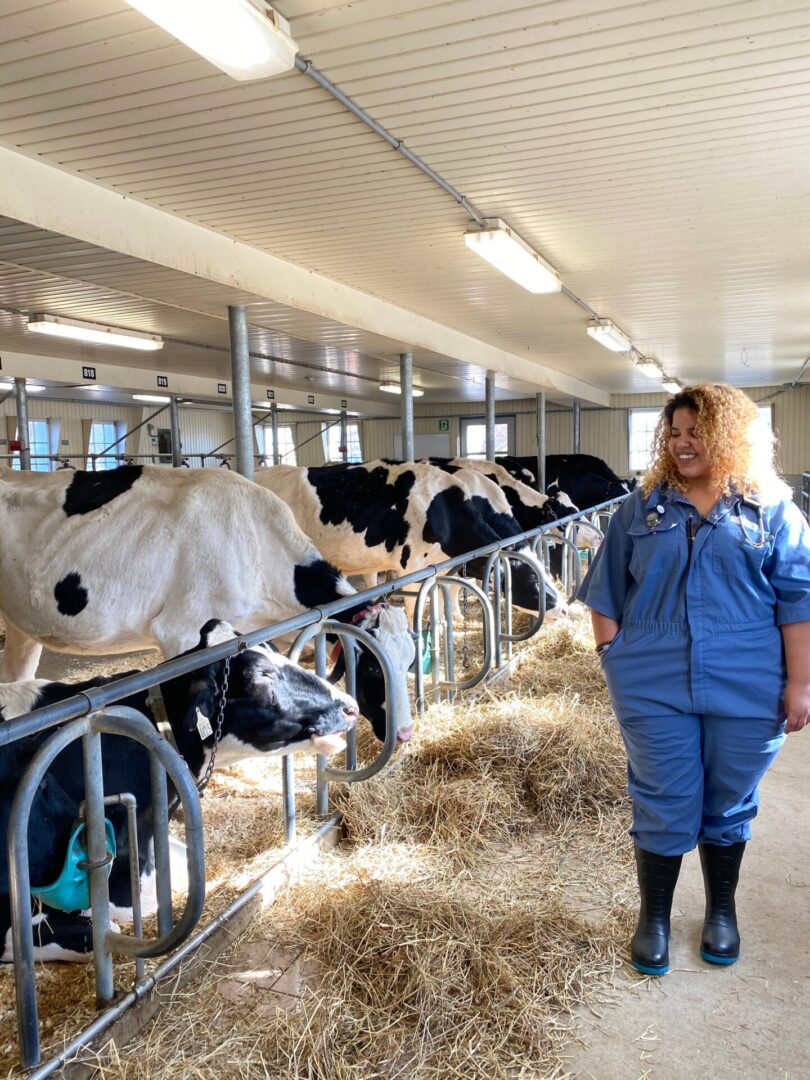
{"x": 481, "y": 895}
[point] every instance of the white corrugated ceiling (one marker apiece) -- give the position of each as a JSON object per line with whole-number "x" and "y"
{"x": 654, "y": 152}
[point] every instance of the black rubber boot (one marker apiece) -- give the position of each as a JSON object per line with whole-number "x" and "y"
{"x": 720, "y": 943}
{"x": 657, "y": 875}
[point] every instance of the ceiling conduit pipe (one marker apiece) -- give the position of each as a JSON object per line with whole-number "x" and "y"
{"x": 240, "y": 378}
{"x": 406, "y": 396}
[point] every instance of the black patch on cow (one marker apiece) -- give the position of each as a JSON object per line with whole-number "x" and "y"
{"x": 458, "y": 524}
{"x": 70, "y": 594}
{"x": 316, "y": 583}
{"x": 444, "y": 464}
{"x": 89, "y": 491}
{"x": 364, "y": 498}
{"x": 406, "y": 554}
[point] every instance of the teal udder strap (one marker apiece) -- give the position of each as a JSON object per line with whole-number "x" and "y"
{"x": 71, "y": 890}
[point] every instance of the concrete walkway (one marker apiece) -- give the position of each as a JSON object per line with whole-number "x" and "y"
{"x": 750, "y": 1021}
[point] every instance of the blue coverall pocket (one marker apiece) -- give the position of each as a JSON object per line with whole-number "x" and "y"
{"x": 654, "y": 551}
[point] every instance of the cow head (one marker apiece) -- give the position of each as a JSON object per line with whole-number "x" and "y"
{"x": 526, "y": 584}
{"x": 389, "y": 625}
{"x": 272, "y": 705}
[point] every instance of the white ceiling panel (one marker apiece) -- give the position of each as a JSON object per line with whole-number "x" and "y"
{"x": 655, "y": 152}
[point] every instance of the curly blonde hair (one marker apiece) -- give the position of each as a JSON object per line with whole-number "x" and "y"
{"x": 739, "y": 445}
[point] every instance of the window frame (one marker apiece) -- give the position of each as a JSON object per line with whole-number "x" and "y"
{"x": 327, "y": 428}
{"x": 650, "y": 410}
{"x": 465, "y": 422}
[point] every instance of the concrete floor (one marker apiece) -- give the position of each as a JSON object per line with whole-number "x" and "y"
{"x": 750, "y": 1021}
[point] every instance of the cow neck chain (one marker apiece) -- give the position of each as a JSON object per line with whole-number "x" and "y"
{"x": 203, "y": 784}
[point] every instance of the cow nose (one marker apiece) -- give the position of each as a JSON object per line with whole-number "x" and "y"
{"x": 351, "y": 711}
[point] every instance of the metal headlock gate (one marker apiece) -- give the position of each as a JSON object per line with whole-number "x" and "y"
{"x": 94, "y": 712}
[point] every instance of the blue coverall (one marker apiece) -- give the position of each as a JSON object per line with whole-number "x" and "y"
{"x": 697, "y": 672}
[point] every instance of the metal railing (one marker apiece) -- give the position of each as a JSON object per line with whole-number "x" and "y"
{"x": 93, "y": 711}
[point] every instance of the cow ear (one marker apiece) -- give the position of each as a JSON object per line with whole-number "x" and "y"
{"x": 202, "y": 701}
{"x": 215, "y": 632}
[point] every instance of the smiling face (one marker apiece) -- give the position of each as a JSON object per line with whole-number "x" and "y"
{"x": 686, "y": 449}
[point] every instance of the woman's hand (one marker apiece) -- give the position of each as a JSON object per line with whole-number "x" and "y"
{"x": 797, "y": 705}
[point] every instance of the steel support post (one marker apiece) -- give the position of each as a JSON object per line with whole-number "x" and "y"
{"x": 575, "y": 428}
{"x": 541, "y": 443}
{"x": 490, "y": 416}
{"x": 344, "y": 436}
{"x": 274, "y": 433}
{"x": 174, "y": 423}
{"x": 22, "y": 422}
{"x": 406, "y": 403}
{"x": 240, "y": 377}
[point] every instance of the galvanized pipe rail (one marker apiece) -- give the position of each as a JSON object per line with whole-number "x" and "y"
{"x": 311, "y": 626}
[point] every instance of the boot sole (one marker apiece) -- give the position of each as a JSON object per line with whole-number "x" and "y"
{"x": 724, "y": 960}
{"x": 646, "y": 970}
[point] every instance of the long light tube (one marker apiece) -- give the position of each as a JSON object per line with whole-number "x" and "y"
{"x": 672, "y": 386}
{"x": 609, "y": 335}
{"x": 507, "y": 252}
{"x": 246, "y": 39}
{"x": 158, "y": 399}
{"x": 95, "y": 333}
{"x": 395, "y": 388}
{"x": 650, "y": 368}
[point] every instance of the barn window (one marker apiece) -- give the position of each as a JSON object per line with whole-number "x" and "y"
{"x": 474, "y": 436}
{"x": 641, "y": 427}
{"x": 103, "y": 434}
{"x": 286, "y": 443}
{"x": 331, "y": 442}
{"x": 39, "y": 443}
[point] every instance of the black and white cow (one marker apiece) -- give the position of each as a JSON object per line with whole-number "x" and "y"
{"x": 132, "y": 557}
{"x": 379, "y": 516}
{"x": 530, "y": 508}
{"x": 272, "y": 706}
{"x": 586, "y": 479}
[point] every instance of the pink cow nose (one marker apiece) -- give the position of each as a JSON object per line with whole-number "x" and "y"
{"x": 352, "y": 711}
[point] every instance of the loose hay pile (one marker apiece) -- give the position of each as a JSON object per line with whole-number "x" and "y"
{"x": 480, "y": 898}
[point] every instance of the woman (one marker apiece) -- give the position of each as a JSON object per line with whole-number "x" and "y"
{"x": 700, "y": 598}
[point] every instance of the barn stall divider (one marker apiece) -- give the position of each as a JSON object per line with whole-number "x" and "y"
{"x": 92, "y": 712}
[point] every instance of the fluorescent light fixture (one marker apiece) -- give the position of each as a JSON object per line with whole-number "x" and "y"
{"x": 247, "y": 39}
{"x": 395, "y": 388}
{"x": 507, "y": 252}
{"x": 156, "y": 398}
{"x": 648, "y": 367}
{"x": 95, "y": 333}
{"x": 672, "y": 386}
{"x": 34, "y": 388}
{"x": 603, "y": 331}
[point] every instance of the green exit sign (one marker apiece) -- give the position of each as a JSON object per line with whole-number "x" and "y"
{"x": 444, "y": 424}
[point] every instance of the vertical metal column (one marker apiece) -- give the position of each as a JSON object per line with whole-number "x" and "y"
{"x": 22, "y": 422}
{"x": 240, "y": 377}
{"x": 344, "y": 436}
{"x": 174, "y": 424}
{"x": 541, "y": 442}
{"x": 490, "y": 416}
{"x": 575, "y": 427}
{"x": 406, "y": 403}
{"x": 97, "y": 860}
{"x": 274, "y": 433}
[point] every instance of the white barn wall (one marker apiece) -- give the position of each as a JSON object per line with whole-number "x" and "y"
{"x": 603, "y": 431}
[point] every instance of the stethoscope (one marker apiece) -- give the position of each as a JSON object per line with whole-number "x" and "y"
{"x": 655, "y": 517}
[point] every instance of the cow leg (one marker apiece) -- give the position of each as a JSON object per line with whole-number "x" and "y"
{"x": 20, "y": 656}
